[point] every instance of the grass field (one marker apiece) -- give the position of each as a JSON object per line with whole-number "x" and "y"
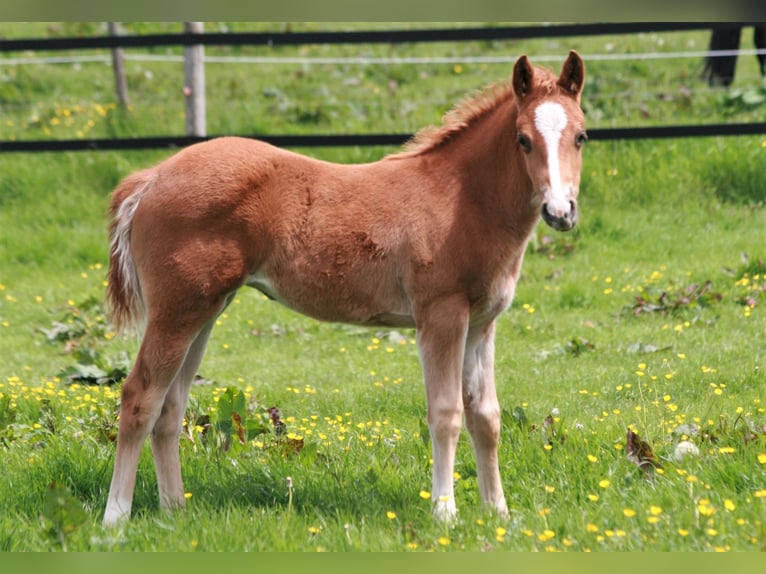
{"x": 649, "y": 317}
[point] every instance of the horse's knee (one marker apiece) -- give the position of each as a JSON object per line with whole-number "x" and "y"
{"x": 445, "y": 422}
{"x": 483, "y": 423}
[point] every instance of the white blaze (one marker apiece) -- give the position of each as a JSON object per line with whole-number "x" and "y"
{"x": 550, "y": 121}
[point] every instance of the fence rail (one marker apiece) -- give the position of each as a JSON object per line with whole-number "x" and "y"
{"x": 343, "y": 140}
{"x": 351, "y": 37}
{"x": 356, "y": 37}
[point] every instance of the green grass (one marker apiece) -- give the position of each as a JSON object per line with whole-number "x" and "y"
{"x": 657, "y": 216}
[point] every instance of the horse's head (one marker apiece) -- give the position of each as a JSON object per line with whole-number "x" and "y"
{"x": 550, "y": 130}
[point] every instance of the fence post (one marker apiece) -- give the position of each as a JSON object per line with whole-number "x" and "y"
{"x": 118, "y": 64}
{"x": 194, "y": 83}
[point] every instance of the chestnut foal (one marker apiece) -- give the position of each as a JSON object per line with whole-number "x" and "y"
{"x": 432, "y": 237}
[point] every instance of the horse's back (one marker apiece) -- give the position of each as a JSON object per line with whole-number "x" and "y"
{"x": 238, "y": 209}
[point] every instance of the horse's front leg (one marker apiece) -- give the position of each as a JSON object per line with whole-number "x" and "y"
{"x": 482, "y": 414}
{"x": 441, "y": 333}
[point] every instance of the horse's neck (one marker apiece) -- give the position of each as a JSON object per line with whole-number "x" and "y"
{"x": 485, "y": 158}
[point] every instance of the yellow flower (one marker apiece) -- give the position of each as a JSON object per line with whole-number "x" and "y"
{"x": 591, "y": 527}
{"x": 683, "y": 532}
{"x": 546, "y": 535}
{"x": 629, "y": 512}
{"x": 425, "y": 495}
{"x": 592, "y": 458}
{"x": 550, "y": 489}
{"x": 655, "y": 510}
{"x": 704, "y": 507}
{"x": 593, "y": 497}
{"x": 443, "y": 540}
{"x": 760, "y": 493}
{"x": 729, "y": 505}
{"x": 604, "y": 483}
{"x": 762, "y": 458}
{"x": 390, "y": 515}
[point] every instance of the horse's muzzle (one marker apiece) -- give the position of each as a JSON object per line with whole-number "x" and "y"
{"x": 561, "y": 218}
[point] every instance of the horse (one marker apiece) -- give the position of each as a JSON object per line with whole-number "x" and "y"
{"x": 719, "y": 69}
{"x": 431, "y": 237}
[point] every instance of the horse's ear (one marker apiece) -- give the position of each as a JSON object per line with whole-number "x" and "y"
{"x": 522, "y": 77}
{"x": 572, "y": 76}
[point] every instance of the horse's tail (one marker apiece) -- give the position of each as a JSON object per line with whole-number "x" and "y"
{"x": 123, "y": 287}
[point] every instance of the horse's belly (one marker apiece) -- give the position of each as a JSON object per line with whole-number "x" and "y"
{"x": 326, "y": 299}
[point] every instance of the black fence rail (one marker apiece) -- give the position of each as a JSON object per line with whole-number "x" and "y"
{"x": 357, "y": 37}
{"x": 352, "y": 37}
{"x": 344, "y": 140}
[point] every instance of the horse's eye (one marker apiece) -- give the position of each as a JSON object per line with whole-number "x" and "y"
{"x": 524, "y": 142}
{"x": 580, "y": 139}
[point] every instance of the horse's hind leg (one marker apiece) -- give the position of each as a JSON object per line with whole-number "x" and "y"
{"x": 482, "y": 414}
{"x": 160, "y": 363}
{"x": 166, "y": 431}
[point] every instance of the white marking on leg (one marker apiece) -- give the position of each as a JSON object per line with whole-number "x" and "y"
{"x": 444, "y": 442}
{"x": 550, "y": 121}
{"x": 117, "y": 511}
{"x": 482, "y": 413}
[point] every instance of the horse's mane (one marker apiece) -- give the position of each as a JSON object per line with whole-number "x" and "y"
{"x": 469, "y": 110}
